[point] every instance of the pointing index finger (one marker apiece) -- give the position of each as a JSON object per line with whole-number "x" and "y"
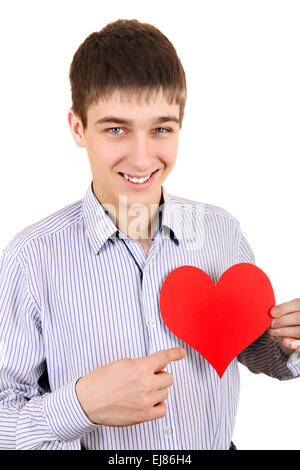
{"x": 161, "y": 359}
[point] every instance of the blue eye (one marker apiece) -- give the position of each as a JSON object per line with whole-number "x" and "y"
{"x": 168, "y": 130}
{"x": 113, "y": 128}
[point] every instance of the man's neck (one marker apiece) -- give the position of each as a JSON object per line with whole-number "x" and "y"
{"x": 143, "y": 224}
{"x": 138, "y": 224}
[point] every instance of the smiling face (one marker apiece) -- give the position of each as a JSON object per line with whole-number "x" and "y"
{"x": 137, "y": 139}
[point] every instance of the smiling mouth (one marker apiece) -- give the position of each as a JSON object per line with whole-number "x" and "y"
{"x": 138, "y": 177}
{"x": 138, "y": 182}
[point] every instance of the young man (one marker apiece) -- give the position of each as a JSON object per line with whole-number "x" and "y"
{"x": 86, "y": 361}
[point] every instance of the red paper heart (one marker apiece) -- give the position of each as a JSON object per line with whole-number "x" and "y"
{"x": 221, "y": 320}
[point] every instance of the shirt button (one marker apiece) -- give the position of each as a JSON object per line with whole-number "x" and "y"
{"x": 151, "y": 322}
{"x": 146, "y": 270}
{"x": 167, "y": 431}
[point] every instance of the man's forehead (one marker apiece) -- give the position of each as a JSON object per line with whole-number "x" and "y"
{"x": 123, "y": 110}
{"x": 142, "y": 97}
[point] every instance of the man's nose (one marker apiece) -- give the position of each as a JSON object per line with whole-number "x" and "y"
{"x": 141, "y": 154}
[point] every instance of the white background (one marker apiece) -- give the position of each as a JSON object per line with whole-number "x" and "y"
{"x": 239, "y": 146}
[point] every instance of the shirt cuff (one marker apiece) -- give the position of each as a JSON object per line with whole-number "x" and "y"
{"x": 294, "y": 363}
{"x": 64, "y": 414}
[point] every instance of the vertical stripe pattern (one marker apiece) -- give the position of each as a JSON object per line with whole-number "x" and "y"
{"x": 76, "y": 294}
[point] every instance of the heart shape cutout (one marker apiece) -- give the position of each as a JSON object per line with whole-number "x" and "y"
{"x": 221, "y": 320}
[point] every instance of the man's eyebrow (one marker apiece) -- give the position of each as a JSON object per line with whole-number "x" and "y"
{"x": 118, "y": 120}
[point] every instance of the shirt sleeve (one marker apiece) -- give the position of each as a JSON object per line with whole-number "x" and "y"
{"x": 267, "y": 354}
{"x": 31, "y": 416}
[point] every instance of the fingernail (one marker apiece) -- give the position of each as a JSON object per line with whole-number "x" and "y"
{"x": 274, "y": 311}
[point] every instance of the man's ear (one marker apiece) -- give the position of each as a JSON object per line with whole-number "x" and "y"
{"x": 76, "y": 128}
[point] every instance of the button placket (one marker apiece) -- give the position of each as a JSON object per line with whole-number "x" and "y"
{"x": 151, "y": 322}
{"x": 167, "y": 431}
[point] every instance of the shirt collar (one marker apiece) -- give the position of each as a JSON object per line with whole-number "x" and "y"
{"x": 101, "y": 228}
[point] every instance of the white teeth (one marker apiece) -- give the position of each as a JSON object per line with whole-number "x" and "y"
{"x": 137, "y": 180}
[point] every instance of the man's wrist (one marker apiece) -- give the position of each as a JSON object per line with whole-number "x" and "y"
{"x": 82, "y": 397}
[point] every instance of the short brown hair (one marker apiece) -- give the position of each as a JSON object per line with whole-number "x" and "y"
{"x": 129, "y": 56}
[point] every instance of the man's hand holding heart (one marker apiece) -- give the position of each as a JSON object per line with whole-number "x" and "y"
{"x": 286, "y": 323}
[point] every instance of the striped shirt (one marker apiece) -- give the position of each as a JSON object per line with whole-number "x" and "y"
{"x": 76, "y": 294}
